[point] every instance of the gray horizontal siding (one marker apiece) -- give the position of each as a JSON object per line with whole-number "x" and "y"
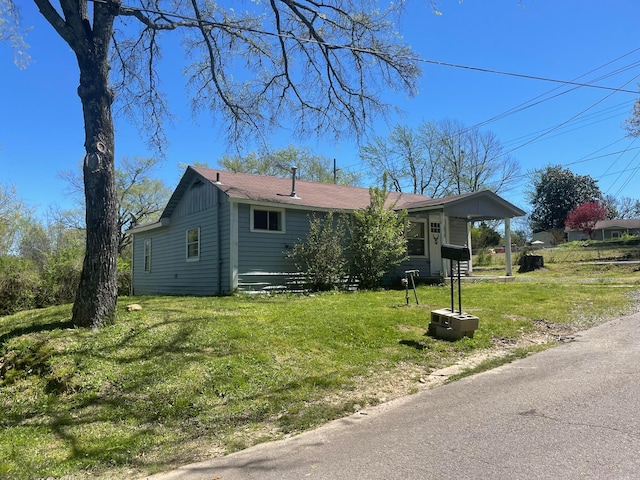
{"x": 171, "y": 273}
{"x": 262, "y": 256}
{"x": 396, "y": 274}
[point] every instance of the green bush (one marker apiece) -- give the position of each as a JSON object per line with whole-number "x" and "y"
{"x": 378, "y": 239}
{"x": 25, "y": 285}
{"x": 60, "y": 277}
{"x": 321, "y": 256}
{"x": 19, "y": 285}
{"x": 483, "y": 259}
{"x": 124, "y": 277}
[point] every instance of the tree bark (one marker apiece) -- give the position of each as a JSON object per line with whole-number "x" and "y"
{"x": 96, "y": 297}
{"x": 97, "y": 294}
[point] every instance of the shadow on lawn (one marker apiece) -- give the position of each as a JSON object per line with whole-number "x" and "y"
{"x": 413, "y": 344}
{"x": 43, "y": 327}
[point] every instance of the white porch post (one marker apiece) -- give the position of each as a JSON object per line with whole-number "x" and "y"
{"x": 507, "y": 246}
{"x": 470, "y": 268}
{"x": 443, "y": 239}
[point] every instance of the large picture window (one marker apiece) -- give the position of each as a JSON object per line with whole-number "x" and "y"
{"x": 147, "y": 255}
{"x": 193, "y": 244}
{"x": 415, "y": 234}
{"x": 267, "y": 220}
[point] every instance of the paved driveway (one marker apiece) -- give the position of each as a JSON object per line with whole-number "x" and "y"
{"x": 572, "y": 412}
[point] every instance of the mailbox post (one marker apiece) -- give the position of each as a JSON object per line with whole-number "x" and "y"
{"x": 447, "y": 323}
{"x": 459, "y": 254}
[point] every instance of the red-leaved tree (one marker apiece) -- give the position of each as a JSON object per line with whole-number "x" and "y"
{"x": 585, "y": 216}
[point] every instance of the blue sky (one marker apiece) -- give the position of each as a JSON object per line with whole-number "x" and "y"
{"x": 586, "y": 41}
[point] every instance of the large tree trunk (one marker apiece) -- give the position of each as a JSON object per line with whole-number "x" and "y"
{"x": 97, "y": 294}
{"x": 96, "y": 297}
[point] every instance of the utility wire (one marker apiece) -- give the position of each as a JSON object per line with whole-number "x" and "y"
{"x": 197, "y": 22}
{"x": 568, "y": 120}
{"x": 521, "y": 75}
{"x": 574, "y": 83}
{"x": 626, "y": 182}
{"x": 616, "y": 161}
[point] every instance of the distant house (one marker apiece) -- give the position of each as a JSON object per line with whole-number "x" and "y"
{"x": 608, "y": 229}
{"x": 544, "y": 238}
{"x": 223, "y": 232}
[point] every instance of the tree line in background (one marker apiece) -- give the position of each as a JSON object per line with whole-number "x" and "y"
{"x": 443, "y": 158}
{"x": 41, "y": 258}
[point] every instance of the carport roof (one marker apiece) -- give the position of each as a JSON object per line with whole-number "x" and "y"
{"x": 473, "y": 206}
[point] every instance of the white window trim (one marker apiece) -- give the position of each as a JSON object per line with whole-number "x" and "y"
{"x": 425, "y": 239}
{"x": 195, "y": 258}
{"x": 267, "y": 209}
{"x": 147, "y": 246}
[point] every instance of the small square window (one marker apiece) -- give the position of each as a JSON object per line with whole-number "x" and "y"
{"x": 267, "y": 220}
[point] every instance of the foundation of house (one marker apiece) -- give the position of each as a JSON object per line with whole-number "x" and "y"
{"x": 451, "y": 325}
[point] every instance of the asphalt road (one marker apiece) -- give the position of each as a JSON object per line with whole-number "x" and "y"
{"x": 572, "y": 412}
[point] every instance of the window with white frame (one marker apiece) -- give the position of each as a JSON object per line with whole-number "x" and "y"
{"x": 416, "y": 236}
{"x": 147, "y": 255}
{"x": 267, "y": 219}
{"x": 193, "y": 244}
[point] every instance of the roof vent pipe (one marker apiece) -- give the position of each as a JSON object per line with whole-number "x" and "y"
{"x": 293, "y": 181}
{"x": 217, "y": 177}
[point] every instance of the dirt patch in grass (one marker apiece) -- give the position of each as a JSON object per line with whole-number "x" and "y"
{"x": 408, "y": 379}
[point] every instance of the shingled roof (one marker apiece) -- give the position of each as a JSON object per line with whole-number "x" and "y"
{"x": 244, "y": 187}
{"x": 259, "y": 188}
{"x": 631, "y": 223}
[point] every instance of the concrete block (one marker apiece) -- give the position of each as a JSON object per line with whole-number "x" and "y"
{"x": 446, "y": 333}
{"x": 464, "y": 322}
{"x": 452, "y": 325}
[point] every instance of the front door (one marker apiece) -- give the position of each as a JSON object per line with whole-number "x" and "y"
{"x": 435, "y": 238}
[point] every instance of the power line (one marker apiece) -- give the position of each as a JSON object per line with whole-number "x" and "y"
{"x": 199, "y": 22}
{"x": 521, "y": 75}
{"x": 631, "y": 175}
{"x": 563, "y": 131}
{"x": 529, "y": 104}
{"x": 616, "y": 161}
{"x": 568, "y": 120}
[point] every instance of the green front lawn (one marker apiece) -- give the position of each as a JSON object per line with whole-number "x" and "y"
{"x": 187, "y": 378}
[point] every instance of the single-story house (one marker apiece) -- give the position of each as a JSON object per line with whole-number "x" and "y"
{"x": 608, "y": 229}
{"x": 223, "y": 232}
{"x": 544, "y": 238}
